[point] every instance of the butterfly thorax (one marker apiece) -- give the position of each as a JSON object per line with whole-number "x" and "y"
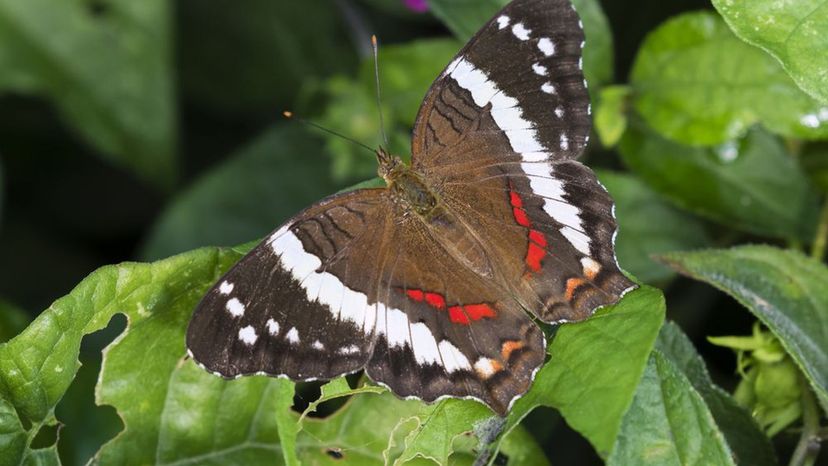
{"x": 407, "y": 186}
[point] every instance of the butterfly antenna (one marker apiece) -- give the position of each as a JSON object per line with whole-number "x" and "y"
{"x": 289, "y": 115}
{"x": 379, "y": 97}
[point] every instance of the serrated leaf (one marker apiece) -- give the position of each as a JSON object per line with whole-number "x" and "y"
{"x": 751, "y": 185}
{"x": 784, "y": 289}
{"x": 274, "y": 49}
{"x": 793, "y": 32}
{"x": 465, "y": 17}
{"x": 108, "y": 73}
{"x": 668, "y": 423}
{"x": 697, "y": 83}
{"x": 647, "y": 226}
{"x": 744, "y": 437}
{"x": 595, "y": 367}
{"x": 244, "y": 198}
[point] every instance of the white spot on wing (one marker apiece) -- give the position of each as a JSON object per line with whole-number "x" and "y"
{"x": 248, "y": 336}
{"x": 559, "y": 112}
{"x": 564, "y": 142}
{"x": 549, "y": 88}
{"x": 546, "y": 46}
{"x": 317, "y": 345}
{"x": 225, "y": 288}
{"x": 539, "y": 69}
{"x": 577, "y": 238}
{"x": 424, "y": 345}
{"x": 453, "y": 359}
{"x": 235, "y": 307}
{"x": 292, "y": 335}
{"x": 485, "y": 367}
{"x": 346, "y": 350}
{"x": 502, "y": 21}
{"x": 272, "y": 327}
{"x": 520, "y": 31}
{"x": 591, "y": 267}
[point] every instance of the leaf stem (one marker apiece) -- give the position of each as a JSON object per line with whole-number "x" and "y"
{"x": 821, "y": 237}
{"x": 808, "y": 447}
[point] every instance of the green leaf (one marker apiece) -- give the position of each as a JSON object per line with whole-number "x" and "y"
{"x": 274, "y": 49}
{"x": 611, "y": 115}
{"x": 648, "y": 226}
{"x": 595, "y": 367}
{"x": 242, "y": 199}
{"x": 697, "y": 83}
{"x": 465, "y": 17}
{"x": 108, "y": 73}
{"x": 12, "y": 320}
{"x": 793, "y": 32}
{"x": 14, "y": 440}
{"x": 406, "y": 72}
{"x": 784, "y": 289}
{"x": 747, "y": 442}
{"x": 668, "y": 423}
{"x": 751, "y": 185}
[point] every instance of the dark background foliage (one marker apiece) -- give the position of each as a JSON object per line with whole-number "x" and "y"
{"x": 233, "y": 168}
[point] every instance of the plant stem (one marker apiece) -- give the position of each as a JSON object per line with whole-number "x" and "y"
{"x": 821, "y": 237}
{"x": 807, "y": 449}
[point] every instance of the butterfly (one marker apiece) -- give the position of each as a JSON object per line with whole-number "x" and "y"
{"x": 433, "y": 284}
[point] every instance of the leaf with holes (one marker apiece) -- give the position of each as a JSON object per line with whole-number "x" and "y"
{"x": 64, "y": 56}
{"x": 465, "y": 17}
{"x": 668, "y": 423}
{"x": 695, "y": 82}
{"x": 647, "y": 225}
{"x": 744, "y": 437}
{"x": 783, "y": 288}
{"x": 793, "y": 32}
{"x": 752, "y": 185}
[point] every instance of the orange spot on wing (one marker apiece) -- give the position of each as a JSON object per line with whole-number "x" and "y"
{"x": 436, "y": 300}
{"x": 509, "y": 347}
{"x": 571, "y": 285}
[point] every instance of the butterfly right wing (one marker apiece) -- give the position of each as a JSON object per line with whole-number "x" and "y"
{"x": 279, "y": 311}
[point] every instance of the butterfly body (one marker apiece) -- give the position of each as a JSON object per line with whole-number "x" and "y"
{"x": 433, "y": 283}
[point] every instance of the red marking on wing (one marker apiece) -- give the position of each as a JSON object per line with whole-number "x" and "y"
{"x": 436, "y": 300}
{"x": 416, "y": 295}
{"x": 458, "y": 314}
{"x": 536, "y": 250}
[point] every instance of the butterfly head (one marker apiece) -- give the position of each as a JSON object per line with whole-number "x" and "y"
{"x": 389, "y": 165}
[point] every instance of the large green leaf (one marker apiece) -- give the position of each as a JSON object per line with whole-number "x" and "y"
{"x": 793, "y": 32}
{"x": 746, "y": 440}
{"x": 465, "y": 17}
{"x": 274, "y": 48}
{"x": 249, "y": 195}
{"x": 784, "y": 289}
{"x": 595, "y": 367}
{"x": 753, "y": 185}
{"x": 107, "y": 68}
{"x": 647, "y": 225}
{"x": 695, "y": 82}
{"x": 668, "y": 423}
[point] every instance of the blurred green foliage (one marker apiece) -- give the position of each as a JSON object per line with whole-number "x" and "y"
{"x": 142, "y": 130}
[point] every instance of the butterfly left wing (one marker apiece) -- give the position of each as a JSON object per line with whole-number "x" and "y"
{"x": 278, "y": 311}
